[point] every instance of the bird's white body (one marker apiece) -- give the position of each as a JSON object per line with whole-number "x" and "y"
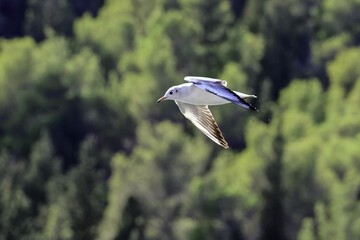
{"x": 191, "y": 94}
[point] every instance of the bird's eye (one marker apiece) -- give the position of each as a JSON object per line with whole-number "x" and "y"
{"x": 170, "y": 93}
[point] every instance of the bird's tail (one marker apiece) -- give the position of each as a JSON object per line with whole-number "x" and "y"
{"x": 244, "y": 96}
{"x": 244, "y": 103}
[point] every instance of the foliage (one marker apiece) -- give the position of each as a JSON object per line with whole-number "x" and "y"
{"x": 86, "y": 153}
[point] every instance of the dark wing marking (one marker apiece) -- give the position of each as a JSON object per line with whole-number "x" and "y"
{"x": 202, "y": 118}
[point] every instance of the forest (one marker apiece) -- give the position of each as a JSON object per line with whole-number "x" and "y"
{"x": 87, "y": 154}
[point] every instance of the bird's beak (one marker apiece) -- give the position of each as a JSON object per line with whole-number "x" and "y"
{"x": 161, "y": 99}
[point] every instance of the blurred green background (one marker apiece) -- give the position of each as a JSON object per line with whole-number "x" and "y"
{"x": 86, "y": 153}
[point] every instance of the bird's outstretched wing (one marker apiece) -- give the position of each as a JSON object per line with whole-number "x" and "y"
{"x": 205, "y": 80}
{"x": 218, "y": 87}
{"x": 202, "y": 118}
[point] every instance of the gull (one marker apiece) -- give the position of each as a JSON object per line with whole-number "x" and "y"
{"x": 194, "y": 97}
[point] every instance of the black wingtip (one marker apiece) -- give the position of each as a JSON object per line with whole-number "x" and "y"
{"x": 253, "y": 108}
{"x": 244, "y": 103}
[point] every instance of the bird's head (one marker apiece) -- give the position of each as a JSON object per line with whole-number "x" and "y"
{"x": 171, "y": 94}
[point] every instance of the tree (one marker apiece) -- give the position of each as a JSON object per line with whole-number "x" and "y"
{"x": 148, "y": 189}
{"x": 25, "y": 191}
{"x": 86, "y": 192}
{"x": 215, "y": 18}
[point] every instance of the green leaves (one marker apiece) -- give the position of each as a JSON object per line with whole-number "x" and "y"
{"x": 344, "y": 69}
{"x": 156, "y": 176}
{"x": 86, "y": 153}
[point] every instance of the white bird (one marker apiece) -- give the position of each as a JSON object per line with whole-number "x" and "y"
{"x": 194, "y": 97}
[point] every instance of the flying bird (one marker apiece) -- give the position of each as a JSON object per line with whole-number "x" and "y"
{"x": 194, "y": 97}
